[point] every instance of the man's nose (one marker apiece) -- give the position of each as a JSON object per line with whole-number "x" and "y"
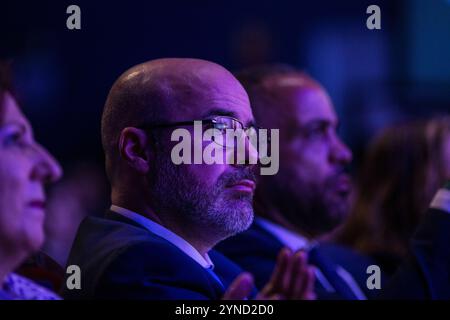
{"x": 47, "y": 168}
{"x": 252, "y": 151}
{"x": 340, "y": 152}
{"x": 245, "y": 151}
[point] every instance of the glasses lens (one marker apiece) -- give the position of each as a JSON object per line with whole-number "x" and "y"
{"x": 222, "y": 124}
{"x": 225, "y": 124}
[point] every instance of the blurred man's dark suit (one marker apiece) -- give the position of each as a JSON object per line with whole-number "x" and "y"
{"x": 120, "y": 259}
{"x": 256, "y": 250}
{"x": 424, "y": 275}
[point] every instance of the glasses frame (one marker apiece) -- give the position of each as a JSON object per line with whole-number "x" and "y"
{"x": 213, "y": 120}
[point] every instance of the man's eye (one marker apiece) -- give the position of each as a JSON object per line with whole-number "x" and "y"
{"x": 317, "y": 132}
{"x": 221, "y": 126}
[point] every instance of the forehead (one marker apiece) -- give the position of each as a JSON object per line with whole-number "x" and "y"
{"x": 11, "y": 111}
{"x": 212, "y": 93}
{"x": 311, "y": 103}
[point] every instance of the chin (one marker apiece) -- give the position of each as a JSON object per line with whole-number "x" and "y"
{"x": 242, "y": 220}
{"x": 34, "y": 240}
{"x": 339, "y": 212}
{"x": 338, "y": 204}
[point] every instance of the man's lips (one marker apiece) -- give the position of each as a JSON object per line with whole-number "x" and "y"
{"x": 244, "y": 185}
{"x": 343, "y": 184}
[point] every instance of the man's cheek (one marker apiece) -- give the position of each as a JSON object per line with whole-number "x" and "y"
{"x": 317, "y": 159}
{"x": 207, "y": 174}
{"x": 310, "y": 163}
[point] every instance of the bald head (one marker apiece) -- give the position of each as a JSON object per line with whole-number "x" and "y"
{"x": 310, "y": 191}
{"x": 164, "y": 90}
{"x": 270, "y": 88}
{"x": 196, "y": 201}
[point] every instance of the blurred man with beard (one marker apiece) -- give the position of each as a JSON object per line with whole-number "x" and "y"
{"x": 157, "y": 240}
{"x": 308, "y": 198}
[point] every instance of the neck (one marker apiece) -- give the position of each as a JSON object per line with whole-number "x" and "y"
{"x": 274, "y": 215}
{"x": 275, "y": 209}
{"x": 10, "y": 260}
{"x": 168, "y": 220}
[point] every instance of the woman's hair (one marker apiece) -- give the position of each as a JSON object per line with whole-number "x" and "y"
{"x": 5, "y": 85}
{"x": 402, "y": 170}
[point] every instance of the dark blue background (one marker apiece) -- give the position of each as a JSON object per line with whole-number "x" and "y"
{"x": 374, "y": 77}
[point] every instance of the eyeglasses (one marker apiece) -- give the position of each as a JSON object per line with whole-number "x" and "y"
{"x": 220, "y": 123}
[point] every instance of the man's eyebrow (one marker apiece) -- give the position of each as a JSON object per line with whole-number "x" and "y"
{"x": 228, "y": 113}
{"x": 219, "y": 112}
{"x": 322, "y": 122}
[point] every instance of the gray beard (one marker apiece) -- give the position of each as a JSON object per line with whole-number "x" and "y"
{"x": 204, "y": 210}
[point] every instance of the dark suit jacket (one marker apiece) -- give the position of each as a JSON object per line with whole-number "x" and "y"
{"x": 424, "y": 275}
{"x": 119, "y": 259}
{"x": 256, "y": 251}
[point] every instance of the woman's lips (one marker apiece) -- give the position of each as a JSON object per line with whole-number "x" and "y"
{"x": 245, "y": 185}
{"x": 37, "y": 204}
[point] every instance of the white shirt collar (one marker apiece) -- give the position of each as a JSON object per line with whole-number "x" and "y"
{"x": 295, "y": 241}
{"x": 165, "y": 233}
{"x": 292, "y": 240}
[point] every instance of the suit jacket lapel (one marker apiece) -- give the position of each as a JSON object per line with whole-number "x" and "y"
{"x": 216, "y": 284}
{"x": 329, "y": 270}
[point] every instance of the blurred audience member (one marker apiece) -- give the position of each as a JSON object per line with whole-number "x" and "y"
{"x": 25, "y": 167}
{"x": 404, "y": 167}
{"x": 309, "y": 196}
{"x": 157, "y": 240}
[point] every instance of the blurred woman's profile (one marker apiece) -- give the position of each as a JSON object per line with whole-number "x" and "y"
{"x": 25, "y": 168}
{"x": 404, "y": 167}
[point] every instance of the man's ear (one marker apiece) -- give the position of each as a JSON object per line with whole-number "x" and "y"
{"x": 133, "y": 148}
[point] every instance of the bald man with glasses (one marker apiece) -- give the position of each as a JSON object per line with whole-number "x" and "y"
{"x": 157, "y": 239}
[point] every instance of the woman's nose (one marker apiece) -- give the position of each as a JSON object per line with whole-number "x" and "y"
{"x": 47, "y": 168}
